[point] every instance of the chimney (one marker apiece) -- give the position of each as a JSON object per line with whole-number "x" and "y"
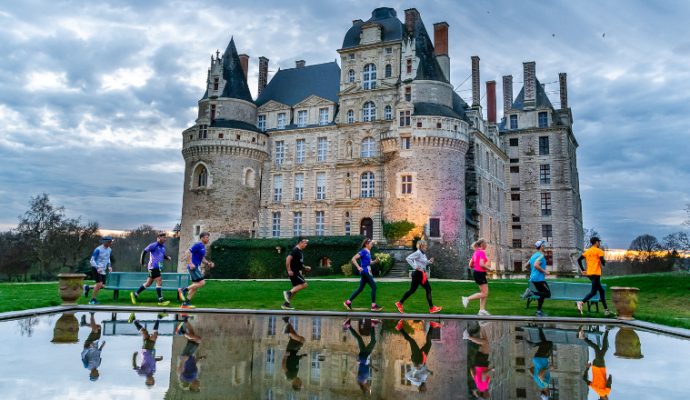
{"x": 563, "y": 80}
{"x": 441, "y": 47}
{"x": 507, "y": 93}
{"x": 491, "y": 101}
{"x": 530, "y": 84}
{"x": 244, "y": 62}
{"x": 411, "y": 16}
{"x": 300, "y": 63}
{"x": 357, "y": 21}
{"x": 475, "y": 81}
{"x": 263, "y": 73}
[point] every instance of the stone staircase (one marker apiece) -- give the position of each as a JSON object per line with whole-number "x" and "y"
{"x": 400, "y": 270}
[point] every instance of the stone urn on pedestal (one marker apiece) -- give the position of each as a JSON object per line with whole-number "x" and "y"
{"x": 66, "y": 329}
{"x": 70, "y": 287}
{"x": 625, "y": 301}
{"x": 628, "y": 344}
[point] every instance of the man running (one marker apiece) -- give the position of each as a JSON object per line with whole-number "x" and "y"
{"x": 188, "y": 364}
{"x": 194, "y": 257}
{"x": 157, "y": 255}
{"x": 538, "y": 274}
{"x": 600, "y": 383}
{"x": 291, "y": 357}
{"x": 595, "y": 260}
{"x": 364, "y": 357}
{"x": 100, "y": 263}
{"x": 294, "y": 263}
{"x": 148, "y": 350}
{"x": 540, "y": 370}
{"x": 419, "y": 373}
{"x": 91, "y": 354}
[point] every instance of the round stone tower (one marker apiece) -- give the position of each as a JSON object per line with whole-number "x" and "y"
{"x": 224, "y": 153}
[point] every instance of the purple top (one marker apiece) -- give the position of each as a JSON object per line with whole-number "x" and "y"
{"x": 189, "y": 371}
{"x": 156, "y": 255}
{"x": 148, "y": 362}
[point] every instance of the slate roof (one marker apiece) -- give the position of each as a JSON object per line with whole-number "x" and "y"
{"x": 227, "y": 123}
{"x": 422, "y": 108}
{"x": 290, "y": 86}
{"x": 459, "y": 106}
{"x": 236, "y": 84}
{"x": 384, "y": 16}
{"x": 428, "y": 68}
{"x": 542, "y": 98}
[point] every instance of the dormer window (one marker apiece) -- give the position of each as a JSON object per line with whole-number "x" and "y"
{"x": 513, "y": 122}
{"x": 389, "y": 71}
{"x": 409, "y": 65}
{"x": 215, "y": 83}
{"x": 282, "y": 118}
{"x": 369, "y": 77}
{"x": 543, "y": 119}
{"x": 261, "y": 123}
{"x": 302, "y": 118}
{"x": 351, "y": 75}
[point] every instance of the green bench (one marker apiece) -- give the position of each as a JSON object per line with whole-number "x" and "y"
{"x": 117, "y": 281}
{"x": 572, "y": 291}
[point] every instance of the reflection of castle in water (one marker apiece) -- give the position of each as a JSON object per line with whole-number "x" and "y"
{"x": 244, "y": 360}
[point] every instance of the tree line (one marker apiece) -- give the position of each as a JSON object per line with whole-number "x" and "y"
{"x": 46, "y": 242}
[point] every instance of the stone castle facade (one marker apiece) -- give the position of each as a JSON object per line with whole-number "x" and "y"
{"x": 337, "y": 149}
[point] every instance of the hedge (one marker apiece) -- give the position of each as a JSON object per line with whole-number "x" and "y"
{"x": 261, "y": 258}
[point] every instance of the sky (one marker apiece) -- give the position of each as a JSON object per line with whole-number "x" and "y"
{"x": 94, "y": 96}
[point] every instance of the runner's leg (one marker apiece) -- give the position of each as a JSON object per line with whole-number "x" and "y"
{"x": 416, "y": 281}
{"x": 427, "y": 288}
{"x": 362, "y": 284}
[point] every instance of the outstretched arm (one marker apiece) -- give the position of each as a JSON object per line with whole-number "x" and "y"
{"x": 134, "y": 360}
{"x": 579, "y": 262}
{"x": 586, "y": 373}
{"x": 603, "y": 261}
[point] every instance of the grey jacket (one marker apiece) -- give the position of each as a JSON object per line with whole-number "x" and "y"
{"x": 418, "y": 260}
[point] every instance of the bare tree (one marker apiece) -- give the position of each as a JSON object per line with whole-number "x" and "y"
{"x": 643, "y": 248}
{"x": 588, "y": 234}
{"x": 676, "y": 242}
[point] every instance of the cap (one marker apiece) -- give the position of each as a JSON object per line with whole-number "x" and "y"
{"x": 162, "y": 234}
{"x": 107, "y": 239}
{"x": 540, "y": 243}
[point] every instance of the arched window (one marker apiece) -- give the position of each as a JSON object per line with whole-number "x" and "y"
{"x": 351, "y": 75}
{"x": 369, "y": 77}
{"x": 350, "y": 116}
{"x": 368, "y": 111}
{"x": 368, "y": 147}
{"x": 387, "y": 113}
{"x": 368, "y": 183}
{"x": 389, "y": 70}
{"x": 200, "y": 178}
{"x": 249, "y": 178}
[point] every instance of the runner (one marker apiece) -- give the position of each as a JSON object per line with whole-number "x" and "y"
{"x": 291, "y": 357}
{"x": 366, "y": 275}
{"x": 419, "y": 262}
{"x": 91, "y": 354}
{"x": 479, "y": 370}
{"x": 294, "y": 263}
{"x": 541, "y": 371}
{"x": 364, "y": 366}
{"x": 595, "y": 260}
{"x": 419, "y": 373}
{"x": 600, "y": 383}
{"x": 148, "y": 350}
{"x": 480, "y": 266}
{"x": 188, "y": 364}
{"x": 100, "y": 263}
{"x": 538, "y": 275}
{"x": 157, "y": 255}
{"x": 195, "y": 256}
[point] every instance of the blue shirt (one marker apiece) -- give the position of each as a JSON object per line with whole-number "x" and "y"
{"x": 100, "y": 259}
{"x": 365, "y": 260}
{"x": 156, "y": 255}
{"x": 541, "y": 363}
{"x": 536, "y": 275}
{"x": 198, "y": 253}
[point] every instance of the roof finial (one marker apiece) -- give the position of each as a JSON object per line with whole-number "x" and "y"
{"x": 217, "y": 53}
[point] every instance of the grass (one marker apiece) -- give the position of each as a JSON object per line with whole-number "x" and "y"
{"x": 664, "y": 298}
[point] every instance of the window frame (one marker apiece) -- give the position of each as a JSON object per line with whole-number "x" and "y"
{"x": 545, "y": 174}
{"x": 277, "y": 188}
{"x": 281, "y": 120}
{"x": 388, "y": 112}
{"x": 297, "y": 224}
{"x": 545, "y": 203}
{"x": 279, "y": 153}
{"x": 298, "y": 189}
{"x": 368, "y": 111}
{"x": 406, "y": 184}
{"x": 351, "y": 76}
{"x": 544, "y": 145}
{"x": 275, "y": 224}
{"x": 302, "y": 118}
{"x": 513, "y": 120}
{"x": 321, "y": 149}
{"x": 320, "y": 223}
{"x": 350, "y": 116}
{"x": 543, "y": 119}
{"x": 434, "y": 231}
{"x": 321, "y": 186}
{"x": 367, "y": 187}
{"x": 369, "y": 76}
{"x": 367, "y": 147}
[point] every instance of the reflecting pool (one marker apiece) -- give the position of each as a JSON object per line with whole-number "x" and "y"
{"x": 213, "y": 356}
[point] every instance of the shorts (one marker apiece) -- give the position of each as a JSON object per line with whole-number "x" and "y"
{"x": 190, "y": 348}
{"x": 481, "y": 359}
{"x": 480, "y": 277}
{"x": 97, "y": 276}
{"x": 294, "y": 346}
{"x": 195, "y": 274}
{"x": 297, "y": 279}
{"x": 149, "y": 344}
{"x": 154, "y": 273}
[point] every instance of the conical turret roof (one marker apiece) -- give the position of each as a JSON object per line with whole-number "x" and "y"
{"x": 236, "y": 84}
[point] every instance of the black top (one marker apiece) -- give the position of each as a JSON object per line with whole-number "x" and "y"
{"x": 292, "y": 361}
{"x": 297, "y": 261}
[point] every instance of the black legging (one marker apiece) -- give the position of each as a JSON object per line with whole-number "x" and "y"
{"x": 417, "y": 353}
{"x": 599, "y": 353}
{"x": 596, "y": 288}
{"x": 545, "y": 348}
{"x": 416, "y": 281}
{"x": 365, "y": 279}
{"x": 364, "y": 350}
{"x": 542, "y": 291}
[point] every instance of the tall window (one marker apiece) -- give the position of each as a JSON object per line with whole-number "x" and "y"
{"x": 213, "y": 112}
{"x": 282, "y": 120}
{"x": 405, "y": 142}
{"x": 389, "y": 70}
{"x": 277, "y": 188}
{"x": 302, "y": 118}
{"x": 545, "y": 174}
{"x": 369, "y": 77}
{"x": 368, "y": 183}
{"x": 546, "y": 204}
{"x": 368, "y": 147}
{"x": 323, "y": 116}
{"x": 321, "y": 149}
{"x": 543, "y": 145}
{"x": 299, "y": 187}
{"x": 321, "y": 186}
{"x": 434, "y": 227}
{"x": 297, "y": 223}
{"x": 543, "y": 119}
{"x": 368, "y": 111}
{"x": 275, "y": 224}
{"x": 404, "y": 118}
{"x": 547, "y": 232}
{"x": 261, "y": 122}
{"x": 517, "y": 243}
{"x": 315, "y": 371}
{"x": 351, "y": 75}
{"x": 271, "y": 325}
{"x": 408, "y": 93}
{"x": 215, "y": 83}
{"x": 409, "y": 66}
{"x": 316, "y": 328}
{"x": 320, "y": 223}
{"x": 513, "y": 122}
{"x": 406, "y": 184}
{"x": 348, "y": 228}
{"x": 388, "y": 113}
{"x": 201, "y": 176}
{"x": 203, "y": 131}
{"x": 513, "y": 142}
{"x": 299, "y": 151}
{"x": 270, "y": 361}
{"x": 350, "y": 116}
{"x": 280, "y": 152}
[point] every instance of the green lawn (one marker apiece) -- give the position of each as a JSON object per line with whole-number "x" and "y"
{"x": 664, "y": 298}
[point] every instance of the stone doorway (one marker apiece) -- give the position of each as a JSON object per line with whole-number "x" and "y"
{"x": 366, "y": 228}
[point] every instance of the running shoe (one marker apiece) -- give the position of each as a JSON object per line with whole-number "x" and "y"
{"x": 133, "y": 297}
{"x": 399, "y": 325}
{"x": 187, "y": 304}
{"x": 163, "y": 302}
{"x": 346, "y": 325}
{"x": 540, "y": 313}
{"x": 348, "y": 305}
{"x": 376, "y": 307}
{"x": 483, "y": 312}
{"x": 287, "y": 306}
{"x": 399, "y": 306}
{"x": 579, "y": 305}
{"x": 180, "y": 330}
{"x": 180, "y": 295}
{"x": 434, "y": 324}
{"x": 287, "y": 295}
{"x": 465, "y": 335}
{"x": 435, "y": 309}
{"x": 86, "y": 290}
{"x": 608, "y": 313}
{"x": 93, "y": 302}
{"x": 131, "y": 318}
{"x": 162, "y": 315}
{"x": 465, "y": 301}
{"x": 83, "y": 321}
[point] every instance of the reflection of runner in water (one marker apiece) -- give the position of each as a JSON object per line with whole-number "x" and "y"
{"x": 479, "y": 370}
{"x": 292, "y": 357}
{"x": 363, "y": 358}
{"x": 600, "y": 383}
{"x": 148, "y": 350}
{"x": 419, "y": 373}
{"x": 188, "y": 364}
{"x": 541, "y": 371}
{"x": 91, "y": 355}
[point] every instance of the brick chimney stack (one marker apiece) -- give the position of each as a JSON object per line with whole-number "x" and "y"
{"x": 441, "y": 47}
{"x": 563, "y": 81}
{"x": 530, "y": 83}
{"x": 263, "y": 73}
{"x": 300, "y": 63}
{"x": 475, "y": 81}
{"x": 491, "y": 101}
{"x": 507, "y": 93}
{"x": 411, "y": 16}
{"x": 244, "y": 62}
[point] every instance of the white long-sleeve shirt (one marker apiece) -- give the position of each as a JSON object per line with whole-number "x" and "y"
{"x": 418, "y": 260}
{"x": 100, "y": 259}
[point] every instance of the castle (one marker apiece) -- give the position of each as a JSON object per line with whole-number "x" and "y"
{"x": 332, "y": 149}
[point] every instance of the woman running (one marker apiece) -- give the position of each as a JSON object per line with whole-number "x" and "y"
{"x": 366, "y": 276}
{"x": 480, "y": 266}
{"x": 419, "y": 263}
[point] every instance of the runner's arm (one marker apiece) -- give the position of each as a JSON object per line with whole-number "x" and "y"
{"x": 188, "y": 258}
{"x": 354, "y": 261}
{"x": 584, "y": 375}
{"x": 579, "y": 262}
{"x": 94, "y": 257}
{"x": 134, "y": 360}
{"x": 288, "y": 260}
{"x": 142, "y": 258}
{"x": 603, "y": 261}
{"x": 536, "y": 264}
{"x": 412, "y": 260}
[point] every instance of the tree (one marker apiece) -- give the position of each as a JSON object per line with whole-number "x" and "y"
{"x": 37, "y": 227}
{"x": 14, "y": 260}
{"x": 643, "y": 248}
{"x": 588, "y": 234}
{"x": 397, "y": 229}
